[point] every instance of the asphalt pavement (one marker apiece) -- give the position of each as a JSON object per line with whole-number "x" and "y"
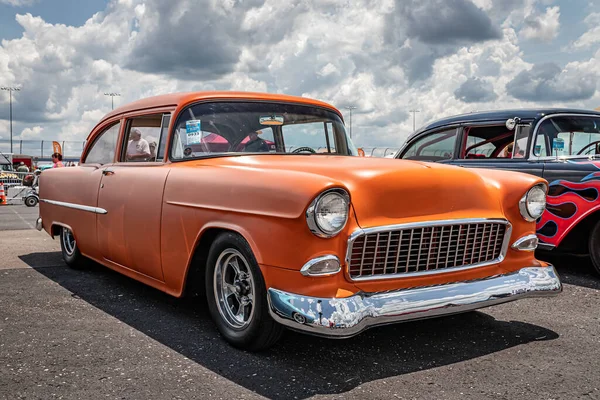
{"x": 96, "y": 334}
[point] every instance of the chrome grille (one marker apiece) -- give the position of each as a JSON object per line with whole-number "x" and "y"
{"x": 425, "y": 248}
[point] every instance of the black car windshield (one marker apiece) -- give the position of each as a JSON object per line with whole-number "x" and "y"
{"x": 222, "y": 128}
{"x": 568, "y": 136}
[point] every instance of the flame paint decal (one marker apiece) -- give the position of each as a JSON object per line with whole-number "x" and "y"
{"x": 567, "y": 203}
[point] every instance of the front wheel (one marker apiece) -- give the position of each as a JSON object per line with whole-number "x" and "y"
{"x": 70, "y": 252}
{"x": 236, "y": 294}
{"x": 31, "y": 201}
{"x": 594, "y": 246}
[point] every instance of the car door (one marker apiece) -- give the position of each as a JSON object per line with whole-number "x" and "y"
{"x": 518, "y": 161}
{"x": 131, "y": 192}
{"x": 74, "y": 191}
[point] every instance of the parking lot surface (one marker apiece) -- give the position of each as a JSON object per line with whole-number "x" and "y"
{"x": 96, "y": 334}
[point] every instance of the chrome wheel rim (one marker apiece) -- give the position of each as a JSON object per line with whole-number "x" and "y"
{"x": 234, "y": 289}
{"x": 68, "y": 241}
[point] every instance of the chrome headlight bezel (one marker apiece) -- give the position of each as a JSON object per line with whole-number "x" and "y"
{"x": 312, "y": 217}
{"x": 526, "y": 212}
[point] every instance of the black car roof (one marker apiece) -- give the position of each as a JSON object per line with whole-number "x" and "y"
{"x": 523, "y": 113}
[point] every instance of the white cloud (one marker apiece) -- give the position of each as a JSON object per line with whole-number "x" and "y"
{"x": 34, "y": 133}
{"x": 592, "y": 36}
{"x": 542, "y": 27}
{"x": 362, "y": 55}
{"x": 18, "y": 3}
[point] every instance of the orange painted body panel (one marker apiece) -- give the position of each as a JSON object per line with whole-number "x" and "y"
{"x": 129, "y": 234}
{"x": 158, "y": 213}
{"x": 60, "y": 184}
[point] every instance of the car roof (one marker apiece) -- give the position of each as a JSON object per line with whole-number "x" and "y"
{"x": 183, "y": 98}
{"x": 499, "y": 115}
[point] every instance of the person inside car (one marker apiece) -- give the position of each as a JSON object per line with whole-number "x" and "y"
{"x": 256, "y": 144}
{"x": 138, "y": 149}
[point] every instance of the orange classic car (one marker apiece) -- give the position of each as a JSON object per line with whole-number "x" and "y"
{"x": 278, "y": 235}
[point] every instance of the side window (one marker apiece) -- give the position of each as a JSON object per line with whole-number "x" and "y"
{"x": 315, "y": 135}
{"x": 479, "y": 148}
{"x": 435, "y": 147}
{"x": 540, "y": 149}
{"x": 492, "y": 141}
{"x": 104, "y": 147}
{"x": 142, "y": 137}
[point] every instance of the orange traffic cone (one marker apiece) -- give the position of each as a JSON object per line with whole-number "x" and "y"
{"x": 2, "y": 195}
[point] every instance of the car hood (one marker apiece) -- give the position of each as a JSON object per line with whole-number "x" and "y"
{"x": 383, "y": 191}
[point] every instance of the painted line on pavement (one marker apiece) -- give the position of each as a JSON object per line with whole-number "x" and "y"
{"x": 23, "y": 219}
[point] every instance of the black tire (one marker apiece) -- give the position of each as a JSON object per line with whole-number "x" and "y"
{"x": 594, "y": 247}
{"x": 70, "y": 252}
{"x": 31, "y": 201}
{"x": 260, "y": 331}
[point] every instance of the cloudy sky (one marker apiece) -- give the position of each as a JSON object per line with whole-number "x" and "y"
{"x": 384, "y": 57}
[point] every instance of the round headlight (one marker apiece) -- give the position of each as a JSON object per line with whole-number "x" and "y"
{"x": 327, "y": 215}
{"x": 533, "y": 203}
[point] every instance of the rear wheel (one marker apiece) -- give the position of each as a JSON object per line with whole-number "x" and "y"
{"x": 594, "y": 246}
{"x": 70, "y": 252}
{"x": 236, "y": 295}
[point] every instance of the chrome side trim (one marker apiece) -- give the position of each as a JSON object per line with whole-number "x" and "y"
{"x": 96, "y": 210}
{"x": 305, "y": 270}
{"x": 545, "y": 246}
{"x": 346, "y": 317}
{"x": 412, "y": 225}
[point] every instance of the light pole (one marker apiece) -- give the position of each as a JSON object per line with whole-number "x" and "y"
{"x": 112, "y": 98}
{"x": 350, "y": 108}
{"x": 414, "y": 113}
{"x": 10, "y": 90}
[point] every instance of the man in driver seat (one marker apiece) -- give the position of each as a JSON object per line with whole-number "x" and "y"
{"x": 256, "y": 144}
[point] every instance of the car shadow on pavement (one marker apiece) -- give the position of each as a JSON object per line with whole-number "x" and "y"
{"x": 299, "y": 366}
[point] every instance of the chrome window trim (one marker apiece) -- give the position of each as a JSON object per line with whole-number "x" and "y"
{"x": 163, "y": 128}
{"x": 305, "y": 270}
{"x": 533, "y": 136}
{"x": 411, "y": 225}
{"x": 96, "y": 210}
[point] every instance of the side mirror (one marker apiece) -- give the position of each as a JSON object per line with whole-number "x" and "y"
{"x": 361, "y": 152}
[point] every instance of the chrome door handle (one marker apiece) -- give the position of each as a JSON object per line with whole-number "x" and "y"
{"x": 108, "y": 172}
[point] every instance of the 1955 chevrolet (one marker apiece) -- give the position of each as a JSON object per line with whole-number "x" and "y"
{"x": 279, "y": 235}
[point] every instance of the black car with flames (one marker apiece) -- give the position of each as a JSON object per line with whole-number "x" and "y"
{"x": 560, "y": 145}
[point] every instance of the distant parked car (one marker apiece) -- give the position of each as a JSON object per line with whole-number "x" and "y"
{"x": 44, "y": 165}
{"x": 560, "y": 145}
{"x": 327, "y": 243}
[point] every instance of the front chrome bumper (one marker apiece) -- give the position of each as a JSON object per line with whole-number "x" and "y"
{"x": 345, "y": 317}
{"x": 38, "y": 224}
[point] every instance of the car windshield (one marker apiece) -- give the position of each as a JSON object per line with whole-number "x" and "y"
{"x": 222, "y": 128}
{"x": 568, "y": 136}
